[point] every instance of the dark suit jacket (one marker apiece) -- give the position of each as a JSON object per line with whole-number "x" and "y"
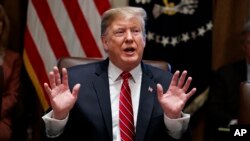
{"x": 224, "y": 97}
{"x": 91, "y": 118}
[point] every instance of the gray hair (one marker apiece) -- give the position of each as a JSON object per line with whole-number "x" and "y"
{"x": 110, "y": 15}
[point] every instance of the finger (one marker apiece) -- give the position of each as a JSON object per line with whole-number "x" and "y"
{"x": 57, "y": 76}
{"x": 175, "y": 78}
{"x": 75, "y": 90}
{"x": 182, "y": 79}
{"x": 47, "y": 89}
{"x": 52, "y": 79}
{"x": 192, "y": 92}
{"x": 159, "y": 91}
{"x": 187, "y": 84}
{"x": 65, "y": 76}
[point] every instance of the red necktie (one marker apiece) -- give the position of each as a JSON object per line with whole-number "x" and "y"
{"x": 126, "y": 120}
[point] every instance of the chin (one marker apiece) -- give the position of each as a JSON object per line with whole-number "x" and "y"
{"x": 131, "y": 59}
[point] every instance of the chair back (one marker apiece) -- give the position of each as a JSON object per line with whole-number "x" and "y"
{"x": 67, "y": 62}
{"x": 244, "y": 107}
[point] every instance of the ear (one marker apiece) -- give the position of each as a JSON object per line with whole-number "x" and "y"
{"x": 105, "y": 43}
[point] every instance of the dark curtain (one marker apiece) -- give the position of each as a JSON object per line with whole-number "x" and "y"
{"x": 182, "y": 37}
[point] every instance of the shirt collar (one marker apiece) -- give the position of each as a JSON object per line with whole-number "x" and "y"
{"x": 114, "y": 72}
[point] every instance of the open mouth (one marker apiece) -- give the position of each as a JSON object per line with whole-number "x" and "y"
{"x": 129, "y": 49}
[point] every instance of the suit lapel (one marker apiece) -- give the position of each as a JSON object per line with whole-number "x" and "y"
{"x": 101, "y": 85}
{"x": 147, "y": 96}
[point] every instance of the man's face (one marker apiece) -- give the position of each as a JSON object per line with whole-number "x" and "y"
{"x": 124, "y": 42}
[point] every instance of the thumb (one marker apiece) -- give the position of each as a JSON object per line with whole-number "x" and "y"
{"x": 159, "y": 90}
{"x": 76, "y": 89}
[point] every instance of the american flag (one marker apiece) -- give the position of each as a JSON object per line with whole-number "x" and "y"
{"x": 59, "y": 28}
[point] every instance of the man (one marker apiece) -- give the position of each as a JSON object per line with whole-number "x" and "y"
{"x": 92, "y": 112}
{"x": 223, "y": 100}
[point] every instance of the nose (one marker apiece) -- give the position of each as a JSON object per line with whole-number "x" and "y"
{"x": 129, "y": 36}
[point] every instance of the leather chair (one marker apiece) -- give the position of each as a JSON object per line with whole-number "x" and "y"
{"x": 72, "y": 61}
{"x": 244, "y": 107}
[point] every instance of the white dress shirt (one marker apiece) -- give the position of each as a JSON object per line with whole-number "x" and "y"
{"x": 176, "y": 126}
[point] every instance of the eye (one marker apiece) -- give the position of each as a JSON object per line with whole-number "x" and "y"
{"x": 136, "y": 31}
{"x": 119, "y": 33}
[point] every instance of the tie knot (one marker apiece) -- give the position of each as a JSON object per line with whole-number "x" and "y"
{"x": 125, "y": 75}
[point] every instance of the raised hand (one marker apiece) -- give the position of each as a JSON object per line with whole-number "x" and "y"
{"x": 61, "y": 98}
{"x": 174, "y": 100}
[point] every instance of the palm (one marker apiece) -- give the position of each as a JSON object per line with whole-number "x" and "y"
{"x": 174, "y": 100}
{"x": 61, "y": 98}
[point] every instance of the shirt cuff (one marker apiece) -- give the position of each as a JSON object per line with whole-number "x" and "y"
{"x": 176, "y": 127}
{"x": 53, "y": 127}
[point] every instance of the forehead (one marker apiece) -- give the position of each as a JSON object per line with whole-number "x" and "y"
{"x": 126, "y": 21}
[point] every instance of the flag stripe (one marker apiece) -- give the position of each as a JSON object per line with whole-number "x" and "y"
{"x": 102, "y": 7}
{"x": 57, "y": 29}
{"x": 82, "y": 30}
{"x": 89, "y": 9}
{"x": 33, "y": 76}
{"x": 48, "y": 22}
{"x": 72, "y": 42}
{"x": 37, "y": 67}
{"x": 39, "y": 36}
